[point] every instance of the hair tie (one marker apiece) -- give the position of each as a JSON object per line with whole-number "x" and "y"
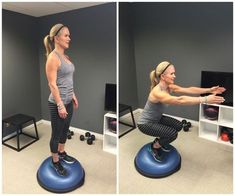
{"x": 49, "y": 37}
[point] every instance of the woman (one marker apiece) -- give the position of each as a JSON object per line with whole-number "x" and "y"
{"x": 153, "y": 122}
{"x": 59, "y": 72}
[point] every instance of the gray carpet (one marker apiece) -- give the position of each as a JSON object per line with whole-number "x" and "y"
{"x": 207, "y": 167}
{"x": 19, "y": 168}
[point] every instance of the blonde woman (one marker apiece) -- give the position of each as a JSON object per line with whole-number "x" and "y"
{"x": 152, "y": 121}
{"x": 62, "y": 100}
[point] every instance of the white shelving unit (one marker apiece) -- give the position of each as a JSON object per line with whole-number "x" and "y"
{"x": 211, "y": 129}
{"x": 109, "y": 135}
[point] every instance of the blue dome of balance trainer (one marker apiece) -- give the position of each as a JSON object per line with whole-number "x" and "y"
{"x": 146, "y": 164}
{"x": 50, "y": 180}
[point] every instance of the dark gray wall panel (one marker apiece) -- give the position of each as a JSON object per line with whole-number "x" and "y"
{"x": 20, "y": 68}
{"x": 127, "y": 70}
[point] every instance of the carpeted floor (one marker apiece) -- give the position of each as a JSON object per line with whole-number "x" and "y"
{"x": 207, "y": 167}
{"x": 19, "y": 168}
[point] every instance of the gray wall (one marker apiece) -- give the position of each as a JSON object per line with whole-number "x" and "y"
{"x": 20, "y": 68}
{"x": 127, "y": 70}
{"x": 193, "y": 36}
{"x": 92, "y": 50}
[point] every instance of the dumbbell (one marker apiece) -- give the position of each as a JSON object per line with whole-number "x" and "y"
{"x": 70, "y": 134}
{"x": 90, "y": 138}
{"x": 186, "y": 125}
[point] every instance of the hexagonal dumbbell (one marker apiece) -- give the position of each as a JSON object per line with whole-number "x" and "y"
{"x": 70, "y": 134}
{"x": 186, "y": 125}
{"x": 90, "y": 138}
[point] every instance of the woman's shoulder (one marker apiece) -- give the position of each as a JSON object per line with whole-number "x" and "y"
{"x": 156, "y": 94}
{"x": 153, "y": 95}
{"x": 53, "y": 59}
{"x": 53, "y": 62}
{"x": 155, "y": 89}
{"x": 53, "y": 56}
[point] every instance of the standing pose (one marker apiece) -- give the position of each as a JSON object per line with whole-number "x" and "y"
{"x": 152, "y": 121}
{"x": 59, "y": 72}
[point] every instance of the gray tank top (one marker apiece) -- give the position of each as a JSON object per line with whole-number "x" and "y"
{"x": 152, "y": 112}
{"x": 64, "y": 81}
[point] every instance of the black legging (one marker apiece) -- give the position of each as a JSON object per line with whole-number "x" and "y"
{"x": 167, "y": 129}
{"x": 59, "y": 125}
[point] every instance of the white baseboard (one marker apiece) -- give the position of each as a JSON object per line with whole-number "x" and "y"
{"x": 77, "y": 130}
{"x": 47, "y": 122}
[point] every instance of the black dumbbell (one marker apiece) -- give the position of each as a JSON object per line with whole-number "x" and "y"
{"x": 189, "y": 124}
{"x": 90, "y": 138}
{"x": 186, "y": 128}
{"x": 70, "y": 134}
{"x": 184, "y": 121}
{"x": 186, "y": 125}
{"x": 87, "y": 134}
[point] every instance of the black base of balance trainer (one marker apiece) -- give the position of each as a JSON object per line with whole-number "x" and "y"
{"x": 146, "y": 164}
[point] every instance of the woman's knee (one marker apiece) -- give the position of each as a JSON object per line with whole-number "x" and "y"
{"x": 63, "y": 139}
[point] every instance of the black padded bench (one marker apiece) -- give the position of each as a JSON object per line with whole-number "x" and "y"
{"x": 17, "y": 121}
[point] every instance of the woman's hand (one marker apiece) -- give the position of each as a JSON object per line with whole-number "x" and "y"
{"x": 213, "y": 99}
{"x": 217, "y": 90}
{"x": 62, "y": 112}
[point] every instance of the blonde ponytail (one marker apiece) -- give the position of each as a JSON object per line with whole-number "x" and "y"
{"x": 49, "y": 39}
{"x": 153, "y": 79}
{"x": 47, "y": 45}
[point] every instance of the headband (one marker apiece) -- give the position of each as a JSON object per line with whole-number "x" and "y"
{"x": 59, "y": 30}
{"x": 163, "y": 69}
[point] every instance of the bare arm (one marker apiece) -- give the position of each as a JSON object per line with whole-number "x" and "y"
{"x": 51, "y": 73}
{"x": 166, "y": 98}
{"x": 75, "y": 101}
{"x": 196, "y": 90}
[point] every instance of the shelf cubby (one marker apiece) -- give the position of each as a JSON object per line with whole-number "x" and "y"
{"x": 110, "y": 133}
{"x": 211, "y": 129}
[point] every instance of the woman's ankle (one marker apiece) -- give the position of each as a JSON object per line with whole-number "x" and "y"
{"x": 55, "y": 157}
{"x": 156, "y": 145}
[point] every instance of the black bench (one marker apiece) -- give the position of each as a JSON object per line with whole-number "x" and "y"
{"x": 17, "y": 121}
{"x": 123, "y": 108}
